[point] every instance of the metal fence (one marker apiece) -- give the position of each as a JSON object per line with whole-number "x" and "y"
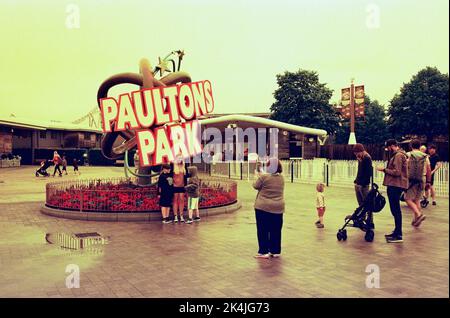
{"x": 330, "y": 172}
{"x": 123, "y": 195}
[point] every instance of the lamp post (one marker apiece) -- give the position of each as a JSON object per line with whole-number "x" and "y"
{"x": 352, "y": 137}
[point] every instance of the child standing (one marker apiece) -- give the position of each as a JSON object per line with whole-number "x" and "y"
{"x": 75, "y": 166}
{"x": 320, "y": 204}
{"x": 64, "y": 164}
{"x": 193, "y": 194}
{"x": 165, "y": 193}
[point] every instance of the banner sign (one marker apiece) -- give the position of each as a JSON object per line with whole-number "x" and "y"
{"x": 345, "y": 102}
{"x": 359, "y": 101}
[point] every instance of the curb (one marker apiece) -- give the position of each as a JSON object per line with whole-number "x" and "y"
{"x": 132, "y": 216}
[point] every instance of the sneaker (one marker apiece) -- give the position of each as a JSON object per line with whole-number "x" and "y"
{"x": 389, "y": 235}
{"x": 182, "y": 220}
{"x": 175, "y": 220}
{"x": 167, "y": 221}
{"x": 419, "y": 220}
{"x": 394, "y": 239}
{"x": 189, "y": 221}
{"x": 434, "y": 203}
{"x": 266, "y": 256}
{"x": 197, "y": 219}
{"x": 275, "y": 255}
{"x": 317, "y": 222}
{"x": 320, "y": 225}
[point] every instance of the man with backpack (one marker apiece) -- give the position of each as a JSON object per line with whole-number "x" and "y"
{"x": 419, "y": 173}
{"x": 396, "y": 181}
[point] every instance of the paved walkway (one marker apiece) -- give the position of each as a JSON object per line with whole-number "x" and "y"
{"x": 214, "y": 258}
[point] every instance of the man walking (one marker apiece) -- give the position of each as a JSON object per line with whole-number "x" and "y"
{"x": 418, "y": 173}
{"x": 435, "y": 164}
{"x": 396, "y": 181}
{"x": 363, "y": 177}
{"x": 364, "y": 173}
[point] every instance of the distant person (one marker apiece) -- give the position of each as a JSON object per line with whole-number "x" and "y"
{"x": 64, "y": 164}
{"x": 419, "y": 174}
{"x": 435, "y": 165}
{"x": 193, "y": 194}
{"x": 57, "y": 161}
{"x": 165, "y": 193}
{"x": 136, "y": 161}
{"x": 75, "y": 166}
{"x": 320, "y": 204}
{"x": 396, "y": 181}
{"x": 269, "y": 209}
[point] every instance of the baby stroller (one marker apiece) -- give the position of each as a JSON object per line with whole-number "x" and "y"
{"x": 362, "y": 218}
{"x": 43, "y": 169}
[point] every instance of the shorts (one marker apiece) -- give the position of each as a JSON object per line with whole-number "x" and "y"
{"x": 192, "y": 203}
{"x": 415, "y": 191}
{"x": 321, "y": 211}
{"x": 179, "y": 190}
{"x": 165, "y": 200}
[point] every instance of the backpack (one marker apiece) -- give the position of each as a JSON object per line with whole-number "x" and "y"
{"x": 375, "y": 201}
{"x": 416, "y": 166}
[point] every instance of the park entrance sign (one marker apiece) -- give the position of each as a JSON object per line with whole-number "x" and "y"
{"x": 163, "y": 118}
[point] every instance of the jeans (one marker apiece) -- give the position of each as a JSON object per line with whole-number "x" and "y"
{"x": 57, "y": 168}
{"x": 361, "y": 193}
{"x": 268, "y": 227}
{"x": 394, "y": 194}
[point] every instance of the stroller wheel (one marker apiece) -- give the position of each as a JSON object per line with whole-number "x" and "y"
{"x": 369, "y": 236}
{"x": 342, "y": 235}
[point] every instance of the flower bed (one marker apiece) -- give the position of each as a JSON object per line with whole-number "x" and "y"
{"x": 122, "y": 195}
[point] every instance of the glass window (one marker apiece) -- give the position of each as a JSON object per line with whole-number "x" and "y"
{"x": 42, "y": 134}
{"x": 53, "y": 135}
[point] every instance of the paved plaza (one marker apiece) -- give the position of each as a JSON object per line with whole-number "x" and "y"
{"x": 214, "y": 258}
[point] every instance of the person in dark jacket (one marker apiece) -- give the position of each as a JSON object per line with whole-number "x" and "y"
{"x": 364, "y": 174}
{"x": 165, "y": 192}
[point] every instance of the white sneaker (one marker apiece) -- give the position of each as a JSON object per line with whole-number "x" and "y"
{"x": 175, "y": 219}
{"x": 265, "y": 256}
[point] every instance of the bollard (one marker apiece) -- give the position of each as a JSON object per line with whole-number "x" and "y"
{"x": 292, "y": 171}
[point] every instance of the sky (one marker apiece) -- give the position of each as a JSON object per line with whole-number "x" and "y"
{"x": 51, "y": 69}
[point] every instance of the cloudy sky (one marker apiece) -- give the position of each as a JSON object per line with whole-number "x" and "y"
{"x": 52, "y": 71}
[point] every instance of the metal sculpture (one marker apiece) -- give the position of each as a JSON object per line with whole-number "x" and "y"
{"x": 116, "y": 144}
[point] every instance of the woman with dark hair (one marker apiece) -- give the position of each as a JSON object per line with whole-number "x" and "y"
{"x": 269, "y": 208}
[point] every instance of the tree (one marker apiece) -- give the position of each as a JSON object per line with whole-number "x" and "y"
{"x": 421, "y": 108}
{"x": 370, "y": 130}
{"x": 301, "y": 100}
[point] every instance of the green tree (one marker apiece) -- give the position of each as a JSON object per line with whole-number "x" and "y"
{"x": 370, "y": 130}
{"x": 301, "y": 100}
{"x": 421, "y": 108}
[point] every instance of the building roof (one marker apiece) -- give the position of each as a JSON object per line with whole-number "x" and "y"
{"x": 30, "y": 123}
